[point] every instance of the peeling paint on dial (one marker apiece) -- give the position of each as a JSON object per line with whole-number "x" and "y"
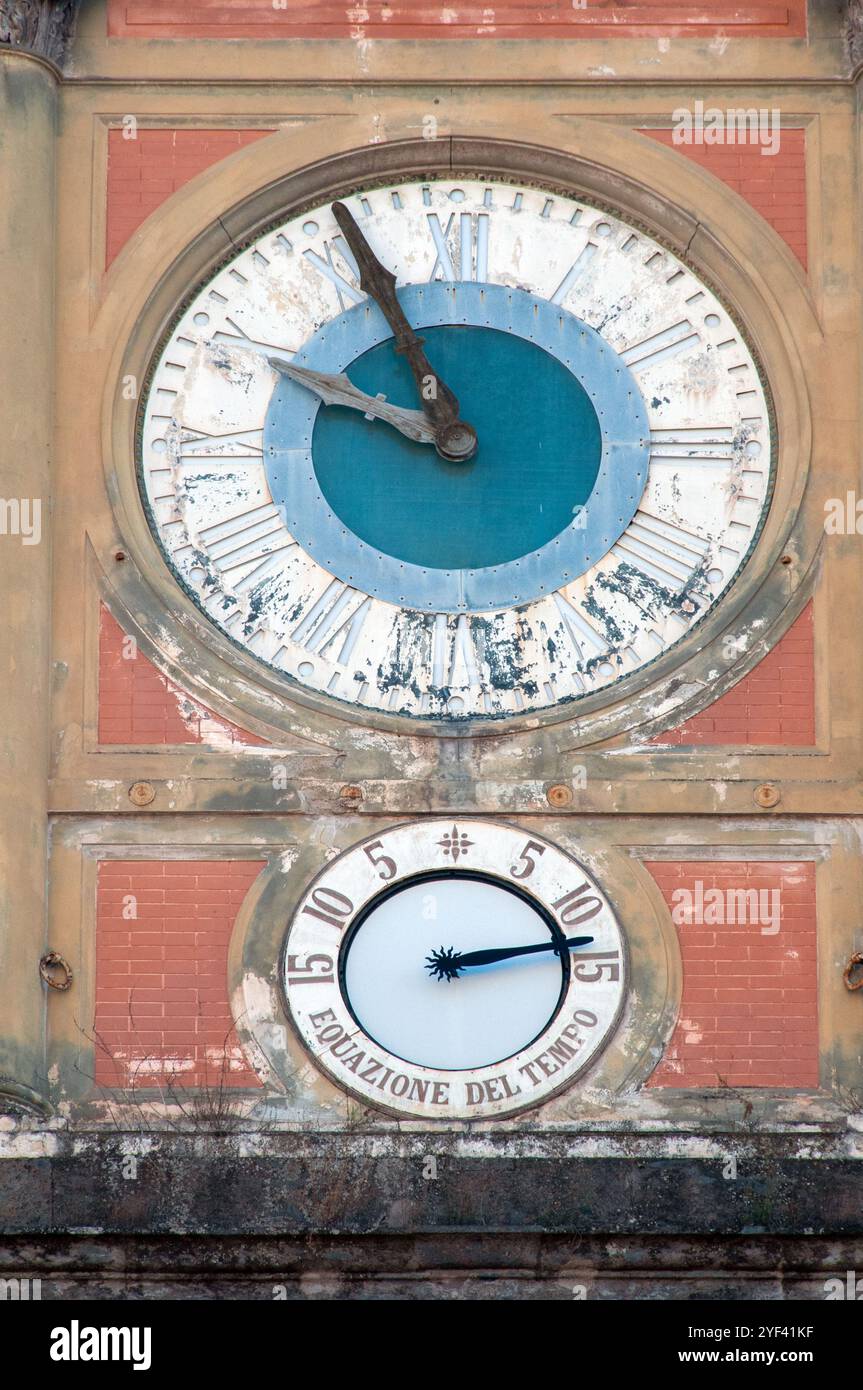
{"x": 705, "y": 500}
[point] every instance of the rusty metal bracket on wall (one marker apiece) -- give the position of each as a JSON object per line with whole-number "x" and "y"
{"x": 853, "y": 972}
{"x": 51, "y": 961}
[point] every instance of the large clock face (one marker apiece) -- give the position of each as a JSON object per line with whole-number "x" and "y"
{"x": 454, "y": 970}
{"x": 621, "y": 471}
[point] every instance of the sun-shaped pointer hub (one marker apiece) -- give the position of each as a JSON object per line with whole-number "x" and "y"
{"x": 444, "y": 964}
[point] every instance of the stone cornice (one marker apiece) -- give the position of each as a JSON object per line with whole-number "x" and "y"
{"x": 41, "y": 27}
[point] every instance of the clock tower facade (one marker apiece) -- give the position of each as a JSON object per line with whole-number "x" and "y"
{"x": 432, "y": 563}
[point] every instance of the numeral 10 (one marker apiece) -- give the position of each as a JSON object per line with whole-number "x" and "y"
{"x": 575, "y": 908}
{"x": 330, "y": 906}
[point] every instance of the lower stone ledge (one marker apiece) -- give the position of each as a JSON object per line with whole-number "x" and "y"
{"x": 442, "y": 1265}
{"x": 303, "y": 1185}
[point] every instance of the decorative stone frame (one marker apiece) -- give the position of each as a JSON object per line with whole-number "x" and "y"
{"x": 627, "y": 1057}
{"x": 609, "y": 1095}
{"x": 750, "y": 270}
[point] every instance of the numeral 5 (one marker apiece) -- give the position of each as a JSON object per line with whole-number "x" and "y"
{"x": 528, "y": 864}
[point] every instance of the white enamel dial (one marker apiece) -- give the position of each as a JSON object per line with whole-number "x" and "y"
{"x": 483, "y": 1016}
{"x": 300, "y": 559}
{"x": 388, "y": 985}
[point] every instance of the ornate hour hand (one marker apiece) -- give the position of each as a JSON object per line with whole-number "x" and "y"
{"x": 455, "y": 440}
{"x": 448, "y": 964}
{"x": 338, "y": 389}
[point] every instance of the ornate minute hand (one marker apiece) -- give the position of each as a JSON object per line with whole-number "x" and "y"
{"x": 338, "y": 389}
{"x": 446, "y": 965}
{"x": 455, "y": 440}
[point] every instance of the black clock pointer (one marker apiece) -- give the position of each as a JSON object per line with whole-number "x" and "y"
{"x": 446, "y": 964}
{"x": 455, "y": 440}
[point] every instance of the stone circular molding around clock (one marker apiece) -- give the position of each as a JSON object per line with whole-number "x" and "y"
{"x": 293, "y": 628}
{"x": 376, "y": 990}
{"x": 617, "y": 486}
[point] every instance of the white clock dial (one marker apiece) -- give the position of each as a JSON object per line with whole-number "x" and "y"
{"x": 623, "y": 472}
{"x": 454, "y": 970}
{"x": 482, "y": 1016}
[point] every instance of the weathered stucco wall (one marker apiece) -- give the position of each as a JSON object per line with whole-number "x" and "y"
{"x": 126, "y": 178}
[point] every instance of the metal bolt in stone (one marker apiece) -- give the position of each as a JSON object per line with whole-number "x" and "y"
{"x": 142, "y": 793}
{"x": 350, "y": 797}
{"x": 559, "y": 795}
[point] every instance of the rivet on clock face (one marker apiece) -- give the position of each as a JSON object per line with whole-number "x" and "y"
{"x": 767, "y": 795}
{"x": 142, "y": 793}
{"x": 559, "y": 795}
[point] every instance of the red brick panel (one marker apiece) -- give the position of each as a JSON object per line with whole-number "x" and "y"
{"x": 162, "y": 1014}
{"x": 144, "y": 171}
{"x": 774, "y": 705}
{"x": 138, "y": 705}
{"x": 416, "y": 19}
{"x": 749, "y": 1011}
{"x": 775, "y": 185}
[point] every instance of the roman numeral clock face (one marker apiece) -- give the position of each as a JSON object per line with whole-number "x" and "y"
{"x": 457, "y": 449}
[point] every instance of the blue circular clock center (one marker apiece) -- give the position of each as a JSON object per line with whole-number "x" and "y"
{"x": 536, "y": 465}
{"x": 564, "y": 451}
